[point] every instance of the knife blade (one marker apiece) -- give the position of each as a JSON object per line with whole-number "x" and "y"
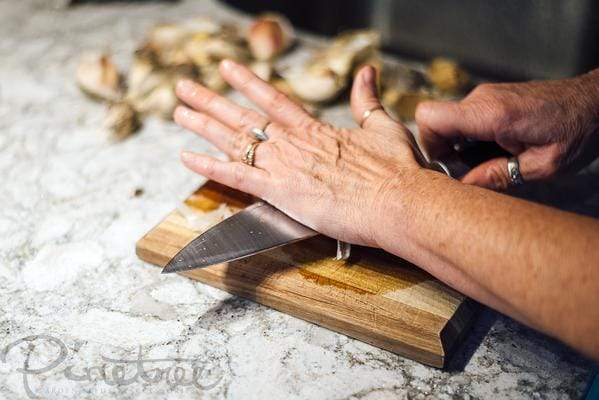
{"x": 259, "y": 227}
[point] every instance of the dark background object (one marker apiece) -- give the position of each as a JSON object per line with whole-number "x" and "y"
{"x": 510, "y": 39}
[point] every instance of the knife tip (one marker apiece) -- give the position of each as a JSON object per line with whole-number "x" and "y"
{"x": 168, "y": 269}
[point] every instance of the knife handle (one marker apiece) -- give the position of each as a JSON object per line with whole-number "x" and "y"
{"x": 343, "y": 250}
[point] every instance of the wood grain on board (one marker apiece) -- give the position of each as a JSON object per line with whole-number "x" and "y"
{"x": 374, "y": 297}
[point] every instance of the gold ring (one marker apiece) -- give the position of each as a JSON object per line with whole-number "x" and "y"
{"x": 368, "y": 113}
{"x": 249, "y": 154}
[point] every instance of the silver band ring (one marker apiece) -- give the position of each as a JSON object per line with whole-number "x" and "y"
{"x": 368, "y": 113}
{"x": 249, "y": 155}
{"x": 513, "y": 171}
{"x": 260, "y": 134}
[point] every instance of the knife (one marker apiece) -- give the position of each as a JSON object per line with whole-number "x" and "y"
{"x": 257, "y": 228}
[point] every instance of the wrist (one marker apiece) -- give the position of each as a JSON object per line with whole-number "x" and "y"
{"x": 399, "y": 203}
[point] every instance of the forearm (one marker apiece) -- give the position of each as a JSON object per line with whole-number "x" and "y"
{"x": 537, "y": 264}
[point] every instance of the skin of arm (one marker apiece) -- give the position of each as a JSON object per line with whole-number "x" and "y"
{"x": 365, "y": 186}
{"x": 537, "y": 264}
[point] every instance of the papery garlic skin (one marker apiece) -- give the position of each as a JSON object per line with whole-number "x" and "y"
{"x": 121, "y": 120}
{"x": 98, "y": 77}
{"x": 269, "y": 36}
{"x": 263, "y": 70}
{"x": 313, "y": 85}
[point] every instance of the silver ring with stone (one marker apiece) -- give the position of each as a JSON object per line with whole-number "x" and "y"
{"x": 513, "y": 171}
{"x": 260, "y": 134}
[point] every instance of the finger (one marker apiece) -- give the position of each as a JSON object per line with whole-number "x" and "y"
{"x": 233, "y": 174}
{"x": 536, "y": 163}
{"x": 364, "y": 98}
{"x": 220, "y": 135}
{"x": 441, "y": 122}
{"x": 492, "y": 174}
{"x": 202, "y": 99}
{"x": 232, "y": 143}
{"x": 539, "y": 163}
{"x": 276, "y": 104}
{"x": 436, "y": 133}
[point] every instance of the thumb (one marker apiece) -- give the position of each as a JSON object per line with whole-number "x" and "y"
{"x": 491, "y": 174}
{"x": 364, "y": 98}
{"x": 368, "y": 112}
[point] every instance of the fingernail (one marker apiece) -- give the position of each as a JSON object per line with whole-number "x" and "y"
{"x": 227, "y": 64}
{"x": 368, "y": 76}
{"x": 182, "y": 112}
{"x": 186, "y": 87}
{"x": 186, "y": 156}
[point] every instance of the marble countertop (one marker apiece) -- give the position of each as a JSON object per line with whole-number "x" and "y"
{"x": 77, "y": 304}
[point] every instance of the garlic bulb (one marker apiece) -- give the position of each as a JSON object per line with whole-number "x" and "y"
{"x": 269, "y": 36}
{"x": 98, "y": 77}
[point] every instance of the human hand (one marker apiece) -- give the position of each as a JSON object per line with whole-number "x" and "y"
{"x": 336, "y": 181}
{"x": 551, "y": 126}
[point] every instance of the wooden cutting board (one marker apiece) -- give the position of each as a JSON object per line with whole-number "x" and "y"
{"x": 374, "y": 297}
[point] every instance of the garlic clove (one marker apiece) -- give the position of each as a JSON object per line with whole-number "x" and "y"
{"x": 98, "y": 77}
{"x": 349, "y": 49}
{"x": 121, "y": 120}
{"x": 263, "y": 70}
{"x": 314, "y": 85}
{"x": 212, "y": 79}
{"x": 447, "y": 76}
{"x": 141, "y": 78}
{"x": 160, "y": 101}
{"x": 166, "y": 36}
{"x": 269, "y": 35}
{"x": 205, "y": 51}
{"x": 202, "y": 26}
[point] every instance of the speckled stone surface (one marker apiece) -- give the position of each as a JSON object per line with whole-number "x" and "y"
{"x": 69, "y": 220}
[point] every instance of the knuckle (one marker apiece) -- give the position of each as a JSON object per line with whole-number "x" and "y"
{"x": 203, "y": 122}
{"x": 210, "y": 167}
{"x": 497, "y": 176}
{"x": 245, "y": 82}
{"x": 313, "y": 126}
{"x": 209, "y": 100}
{"x": 249, "y": 119}
{"x": 246, "y": 117}
{"x": 553, "y": 161}
{"x": 483, "y": 89}
{"x": 277, "y": 101}
{"x": 239, "y": 171}
{"x": 501, "y": 116}
{"x": 238, "y": 142}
